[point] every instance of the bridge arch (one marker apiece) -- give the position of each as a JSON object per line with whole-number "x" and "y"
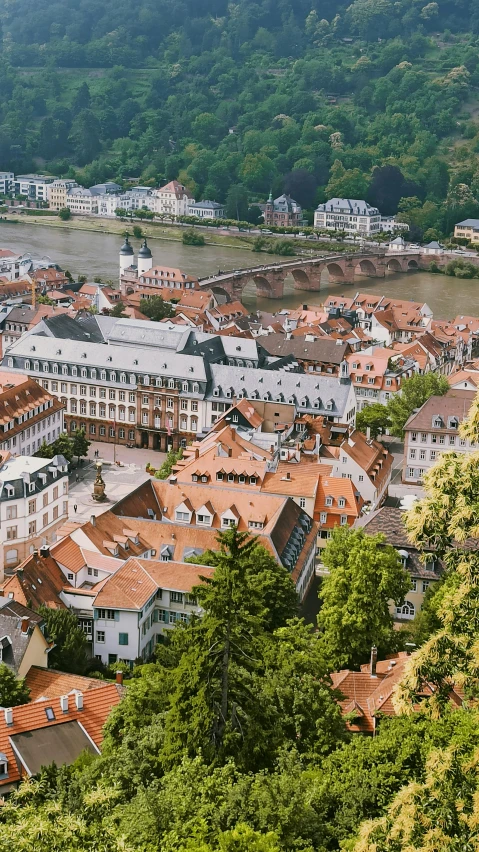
{"x": 366, "y": 267}
{"x": 412, "y": 264}
{"x": 223, "y": 293}
{"x": 394, "y": 265}
{"x": 335, "y": 272}
{"x": 301, "y": 279}
{"x": 263, "y": 287}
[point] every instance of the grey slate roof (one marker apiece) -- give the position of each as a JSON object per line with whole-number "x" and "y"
{"x": 136, "y": 359}
{"x": 323, "y": 349}
{"x": 298, "y": 386}
{"x": 14, "y": 643}
{"x": 353, "y": 206}
{"x": 390, "y": 522}
{"x": 471, "y": 223}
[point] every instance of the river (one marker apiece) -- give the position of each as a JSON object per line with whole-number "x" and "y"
{"x": 95, "y": 254}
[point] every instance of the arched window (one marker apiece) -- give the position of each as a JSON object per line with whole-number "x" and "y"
{"x": 196, "y": 387}
{"x": 92, "y": 409}
{"x": 84, "y": 372}
{"x": 194, "y": 424}
{"x": 123, "y": 377}
{"x": 111, "y": 412}
{"x": 112, "y": 377}
{"x": 27, "y": 364}
{"x": 406, "y": 610}
{"x": 171, "y": 383}
{"x": 74, "y": 371}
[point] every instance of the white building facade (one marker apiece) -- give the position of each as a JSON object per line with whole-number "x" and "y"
{"x": 348, "y": 214}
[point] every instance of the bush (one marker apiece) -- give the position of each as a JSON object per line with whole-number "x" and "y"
{"x": 191, "y": 238}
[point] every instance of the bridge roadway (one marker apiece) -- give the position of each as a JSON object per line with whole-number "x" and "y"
{"x": 306, "y": 272}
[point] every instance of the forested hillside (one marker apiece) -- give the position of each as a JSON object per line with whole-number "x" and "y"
{"x": 296, "y": 95}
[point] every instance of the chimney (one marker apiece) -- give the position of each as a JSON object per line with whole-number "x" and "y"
{"x": 119, "y": 678}
{"x": 64, "y": 703}
{"x": 288, "y": 475}
{"x": 92, "y": 520}
{"x": 374, "y": 659}
{"x": 25, "y": 623}
{"x": 8, "y": 716}
{"x": 79, "y": 700}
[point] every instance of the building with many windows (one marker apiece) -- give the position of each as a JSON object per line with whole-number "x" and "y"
{"x": 29, "y": 415}
{"x": 158, "y": 388}
{"x": 33, "y": 504}
{"x": 348, "y": 214}
{"x": 282, "y": 212}
{"x": 207, "y": 210}
{"x": 34, "y": 187}
{"x": 433, "y": 430}
{"x": 173, "y": 200}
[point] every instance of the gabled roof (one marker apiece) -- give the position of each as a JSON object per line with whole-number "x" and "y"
{"x": 139, "y": 579}
{"x": 50, "y": 683}
{"x": 60, "y": 745}
{"x": 17, "y": 624}
{"x": 37, "y": 581}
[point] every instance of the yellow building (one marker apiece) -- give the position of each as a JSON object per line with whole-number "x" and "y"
{"x": 57, "y": 193}
{"x": 468, "y": 229}
{"x": 22, "y": 642}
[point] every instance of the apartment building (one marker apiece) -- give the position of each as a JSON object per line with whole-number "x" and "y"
{"x": 6, "y": 182}
{"x": 34, "y": 187}
{"x": 314, "y": 354}
{"x": 377, "y": 375}
{"x": 33, "y": 504}
{"x": 57, "y": 192}
{"x": 172, "y": 200}
{"x": 433, "y": 430}
{"x": 348, "y": 214}
{"x": 468, "y": 229}
{"x": 29, "y": 415}
{"x": 81, "y": 201}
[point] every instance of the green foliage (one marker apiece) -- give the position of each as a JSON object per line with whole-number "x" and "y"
{"x": 374, "y": 417}
{"x": 13, "y": 691}
{"x": 156, "y": 308}
{"x": 69, "y": 653}
{"x": 65, "y": 214}
{"x": 365, "y": 574}
{"x": 415, "y": 392}
{"x": 118, "y": 310}
{"x": 62, "y": 446}
{"x": 192, "y": 238}
{"x": 137, "y": 231}
{"x": 80, "y": 444}
{"x": 44, "y": 300}
{"x": 171, "y": 458}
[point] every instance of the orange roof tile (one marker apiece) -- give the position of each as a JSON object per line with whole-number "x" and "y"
{"x": 49, "y": 683}
{"x": 97, "y": 704}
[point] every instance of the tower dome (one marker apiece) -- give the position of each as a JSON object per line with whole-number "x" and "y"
{"x": 127, "y": 256}
{"x": 145, "y": 251}
{"x": 127, "y": 248}
{"x": 145, "y": 259}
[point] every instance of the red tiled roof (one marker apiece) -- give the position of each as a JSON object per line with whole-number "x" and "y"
{"x": 97, "y": 704}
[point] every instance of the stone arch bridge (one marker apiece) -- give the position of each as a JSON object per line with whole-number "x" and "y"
{"x": 342, "y": 268}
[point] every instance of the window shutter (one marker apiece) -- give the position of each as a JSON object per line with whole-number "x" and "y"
{"x": 95, "y": 615}
{"x": 117, "y": 615}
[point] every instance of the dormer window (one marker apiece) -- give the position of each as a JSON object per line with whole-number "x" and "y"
{"x": 220, "y": 476}
{"x": 453, "y": 423}
{"x": 437, "y": 423}
{"x": 252, "y": 480}
{"x": 329, "y": 501}
{"x": 3, "y": 765}
{"x": 216, "y": 392}
{"x": 341, "y": 502}
{"x": 182, "y": 516}
{"x": 329, "y": 405}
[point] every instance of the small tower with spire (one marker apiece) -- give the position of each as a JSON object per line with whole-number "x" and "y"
{"x": 269, "y": 210}
{"x": 145, "y": 259}
{"x": 127, "y": 255}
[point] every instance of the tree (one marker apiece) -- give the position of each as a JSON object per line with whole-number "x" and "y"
{"x": 65, "y": 214}
{"x": 445, "y": 520}
{"x": 13, "y": 691}
{"x": 80, "y": 444}
{"x": 85, "y": 136}
{"x": 301, "y": 185}
{"x": 171, "y": 458}
{"x": 346, "y": 183}
{"x": 374, "y": 417}
{"x": 62, "y": 446}
{"x": 365, "y": 574}
{"x": 213, "y": 706}
{"x": 237, "y": 202}
{"x": 69, "y": 653}
{"x": 118, "y": 310}
{"x": 156, "y": 308}
{"x": 415, "y": 392}
{"x": 137, "y": 231}
{"x": 274, "y": 584}
{"x": 388, "y": 186}
{"x": 254, "y": 215}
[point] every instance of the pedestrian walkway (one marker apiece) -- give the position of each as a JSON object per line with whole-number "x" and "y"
{"x": 120, "y": 479}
